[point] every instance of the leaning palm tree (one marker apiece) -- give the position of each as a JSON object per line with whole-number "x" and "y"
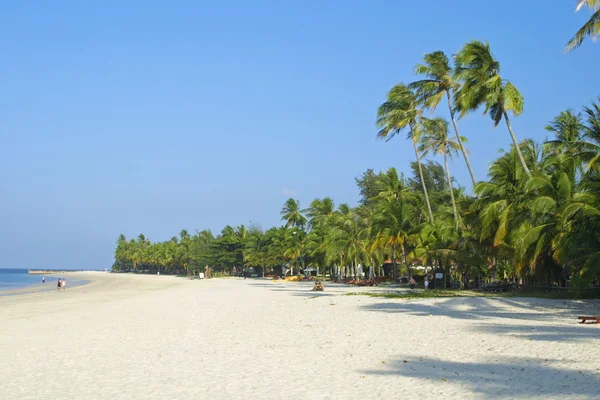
{"x": 401, "y": 111}
{"x": 482, "y": 85}
{"x": 590, "y": 29}
{"x": 435, "y": 140}
{"x": 439, "y": 83}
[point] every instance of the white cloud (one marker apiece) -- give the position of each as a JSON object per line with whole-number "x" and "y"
{"x": 288, "y": 192}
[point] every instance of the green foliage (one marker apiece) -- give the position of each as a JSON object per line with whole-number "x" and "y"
{"x": 590, "y": 29}
{"x": 535, "y": 220}
{"x": 579, "y": 283}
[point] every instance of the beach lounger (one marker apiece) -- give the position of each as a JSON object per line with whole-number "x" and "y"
{"x": 590, "y": 318}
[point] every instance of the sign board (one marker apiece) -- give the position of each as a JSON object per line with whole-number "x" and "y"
{"x": 201, "y": 275}
{"x": 439, "y": 275}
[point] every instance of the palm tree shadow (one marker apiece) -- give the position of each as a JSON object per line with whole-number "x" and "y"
{"x": 490, "y": 308}
{"x": 508, "y": 377}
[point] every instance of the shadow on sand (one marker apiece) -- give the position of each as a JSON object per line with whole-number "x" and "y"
{"x": 519, "y": 322}
{"x": 500, "y": 377}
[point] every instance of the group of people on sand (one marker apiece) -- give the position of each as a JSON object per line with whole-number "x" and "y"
{"x": 61, "y": 284}
{"x": 413, "y": 283}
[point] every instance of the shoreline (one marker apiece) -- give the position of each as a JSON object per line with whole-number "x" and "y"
{"x": 42, "y": 288}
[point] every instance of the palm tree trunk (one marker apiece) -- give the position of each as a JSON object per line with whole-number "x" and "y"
{"x": 421, "y": 176}
{"x": 451, "y": 190}
{"x": 394, "y": 262}
{"x": 517, "y": 148}
{"x": 459, "y": 140}
{"x": 404, "y": 261}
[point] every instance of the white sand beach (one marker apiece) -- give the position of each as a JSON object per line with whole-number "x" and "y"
{"x": 159, "y": 337}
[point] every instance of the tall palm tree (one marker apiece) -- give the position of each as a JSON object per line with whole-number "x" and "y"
{"x": 401, "y": 111}
{"x": 482, "y": 85}
{"x": 435, "y": 140}
{"x": 439, "y": 83}
{"x": 292, "y": 214}
{"x": 590, "y": 29}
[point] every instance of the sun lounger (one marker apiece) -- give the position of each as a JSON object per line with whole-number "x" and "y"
{"x": 590, "y": 318}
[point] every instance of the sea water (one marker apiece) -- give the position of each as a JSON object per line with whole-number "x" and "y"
{"x": 12, "y": 278}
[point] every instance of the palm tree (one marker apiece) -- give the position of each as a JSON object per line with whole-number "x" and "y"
{"x": 482, "y": 84}
{"x": 393, "y": 221}
{"x": 567, "y": 126}
{"x": 320, "y": 211}
{"x": 590, "y": 29}
{"x": 348, "y": 234}
{"x": 292, "y": 214}
{"x": 553, "y": 206}
{"x": 439, "y": 83}
{"x": 400, "y": 111}
{"x": 255, "y": 250}
{"x": 435, "y": 139}
{"x": 393, "y": 186}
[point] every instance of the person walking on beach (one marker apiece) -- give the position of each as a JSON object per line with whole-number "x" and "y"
{"x": 63, "y": 283}
{"x": 58, "y": 284}
{"x": 43, "y": 279}
{"x": 412, "y": 282}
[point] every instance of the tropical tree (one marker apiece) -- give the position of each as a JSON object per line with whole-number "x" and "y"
{"x": 482, "y": 85}
{"x": 439, "y": 83}
{"x": 567, "y": 127}
{"x": 292, "y": 214}
{"x": 401, "y": 111}
{"x": 590, "y": 29}
{"x": 553, "y": 205}
{"x": 435, "y": 139}
{"x": 320, "y": 211}
{"x": 256, "y": 249}
{"x": 393, "y": 223}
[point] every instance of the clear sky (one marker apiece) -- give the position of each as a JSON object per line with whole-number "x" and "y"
{"x": 153, "y": 116}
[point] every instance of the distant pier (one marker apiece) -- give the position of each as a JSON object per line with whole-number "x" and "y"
{"x": 50, "y": 271}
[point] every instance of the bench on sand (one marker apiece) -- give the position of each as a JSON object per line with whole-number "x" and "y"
{"x": 590, "y": 318}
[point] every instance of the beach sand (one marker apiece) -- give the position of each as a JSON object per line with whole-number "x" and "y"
{"x": 159, "y": 337}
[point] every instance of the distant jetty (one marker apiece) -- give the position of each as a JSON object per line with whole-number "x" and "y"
{"x": 51, "y": 271}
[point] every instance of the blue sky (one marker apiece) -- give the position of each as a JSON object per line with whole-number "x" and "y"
{"x": 153, "y": 116}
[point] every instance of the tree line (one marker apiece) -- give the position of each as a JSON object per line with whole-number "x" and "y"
{"x": 535, "y": 219}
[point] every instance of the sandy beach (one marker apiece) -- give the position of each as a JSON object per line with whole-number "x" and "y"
{"x": 160, "y": 337}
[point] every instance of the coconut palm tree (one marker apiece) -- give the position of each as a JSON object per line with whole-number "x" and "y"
{"x": 292, "y": 214}
{"x": 439, "y": 83}
{"x": 255, "y": 250}
{"x": 393, "y": 222}
{"x": 553, "y": 206}
{"x": 435, "y": 140}
{"x": 482, "y": 85}
{"x": 348, "y": 236}
{"x": 567, "y": 126}
{"x": 320, "y": 211}
{"x": 401, "y": 111}
{"x": 590, "y": 29}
